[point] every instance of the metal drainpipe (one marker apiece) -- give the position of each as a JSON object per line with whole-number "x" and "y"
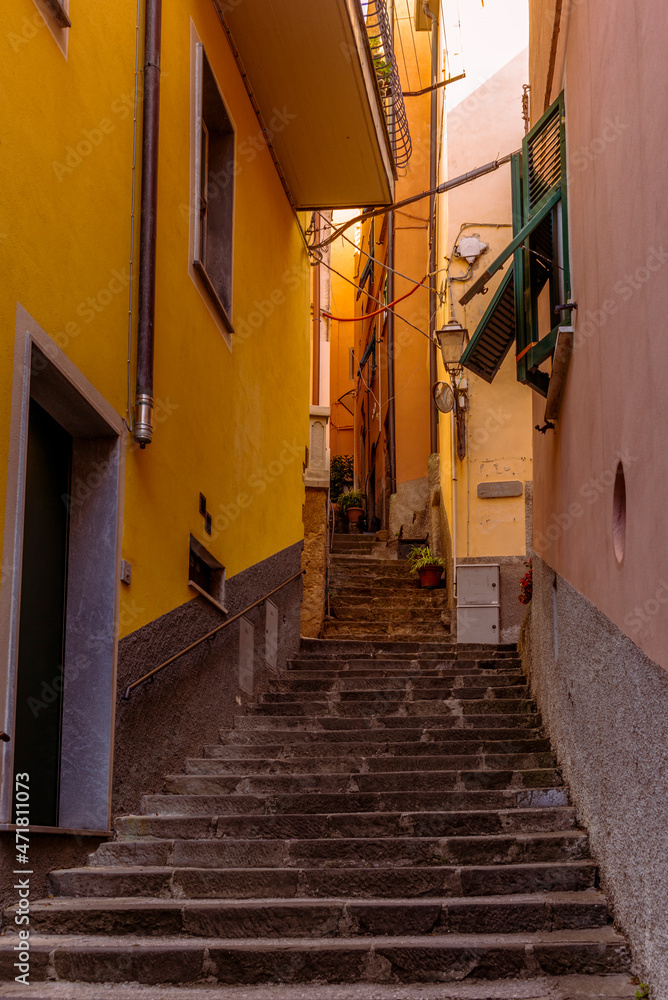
{"x": 315, "y": 393}
{"x": 392, "y": 447}
{"x": 433, "y": 181}
{"x": 143, "y": 427}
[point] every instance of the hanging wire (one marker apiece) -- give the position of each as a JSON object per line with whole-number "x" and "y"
{"x": 354, "y": 284}
{"x": 385, "y": 264}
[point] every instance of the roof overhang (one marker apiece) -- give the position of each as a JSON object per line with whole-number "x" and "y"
{"x": 309, "y": 68}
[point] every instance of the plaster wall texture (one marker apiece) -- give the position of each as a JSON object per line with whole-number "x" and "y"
{"x": 172, "y": 718}
{"x": 605, "y": 704}
{"x": 222, "y": 424}
{"x": 314, "y": 561}
{"x": 409, "y": 509}
{"x": 615, "y": 390}
{"x": 498, "y": 422}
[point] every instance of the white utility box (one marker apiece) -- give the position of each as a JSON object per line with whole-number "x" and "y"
{"x": 478, "y": 602}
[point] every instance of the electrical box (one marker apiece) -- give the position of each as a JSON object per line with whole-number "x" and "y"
{"x": 478, "y": 603}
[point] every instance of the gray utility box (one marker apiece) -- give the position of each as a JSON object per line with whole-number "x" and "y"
{"x": 478, "y": 602}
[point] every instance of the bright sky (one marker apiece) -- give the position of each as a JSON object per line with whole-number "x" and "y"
{"x": 491, "y": 35}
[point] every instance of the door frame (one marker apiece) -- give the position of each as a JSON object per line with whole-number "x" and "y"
{"x": 43, "y": 370}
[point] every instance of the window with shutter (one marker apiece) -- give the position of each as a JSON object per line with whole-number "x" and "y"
{"x": 524, "y": 308}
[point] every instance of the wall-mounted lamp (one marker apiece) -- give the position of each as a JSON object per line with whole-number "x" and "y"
{"x": 452, "y": 339}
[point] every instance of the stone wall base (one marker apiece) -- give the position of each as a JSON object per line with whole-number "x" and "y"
{"x": 605, "y": 705}
{"x": 314, "y": 561}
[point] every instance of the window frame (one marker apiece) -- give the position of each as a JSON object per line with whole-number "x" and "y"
{"x": 200, "y": 217}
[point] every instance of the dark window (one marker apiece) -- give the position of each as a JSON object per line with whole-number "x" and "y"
{"x": 215, "y": 187}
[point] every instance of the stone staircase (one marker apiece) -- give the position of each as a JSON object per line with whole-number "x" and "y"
{"x": 387, "y": 813}
{"x": 378, "y": 599}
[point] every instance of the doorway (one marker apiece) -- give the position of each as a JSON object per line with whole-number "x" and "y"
{"x": 41, "y": 647}
{"x": 59, "y": 602}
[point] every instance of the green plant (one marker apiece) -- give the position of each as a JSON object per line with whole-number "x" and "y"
{"x": 421, "y": 556}
{"x": 381, "y": 65}
{"x": 642, "y": 991}
{"x": 355, "y": 498}
{"x": 341, "y": 475}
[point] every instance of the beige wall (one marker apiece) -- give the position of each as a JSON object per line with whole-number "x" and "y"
{"x": 615, "y": 76}
{"x": 498, "y": 423}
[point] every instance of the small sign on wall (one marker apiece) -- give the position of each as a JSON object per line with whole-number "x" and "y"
{"x": 489, "y": 491}
{"x": 271, "y": 635}
{"x": 246, "y": 654}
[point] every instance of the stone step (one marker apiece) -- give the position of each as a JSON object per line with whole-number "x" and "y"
{"x": 409, "y": 693}
{"x": 355, "y": 852}
{"x": 426, "y": 781}
{"x": 409, "y": 630}
{"x": 359, "y": 764}
{"x": 369, "y": 617}
{"x": 391, "y": 824}
{"x": 319, "y": 803}
{"x": 360, "y": 594}
{"x": 329, "y": 647}
{"x": 402, "y": 668}
{"x": 422, "y": 736}
{"x": 413, "y": 660}
{"x": 448, "y": 706}
{"x": 613, "y": 986}
{"x": 424, "y": 881}
{"x": 462, "y": 720}
{"x": 324, "y": 918}
{"x": 418, "y": 681}
{"x": 381, "y": 959}
{"x": 295, "y": 748}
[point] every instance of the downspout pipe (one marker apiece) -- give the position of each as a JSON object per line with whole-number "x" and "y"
{"x": 433, "y": 181}
{"x": 143, "y": 426}
{"x": 391, "y": 430}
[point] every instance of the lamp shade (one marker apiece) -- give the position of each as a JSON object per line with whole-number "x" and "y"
{"x": 451, "y": 340}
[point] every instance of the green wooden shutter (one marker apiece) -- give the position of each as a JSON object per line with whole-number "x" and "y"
{"x": 495, "y": 334}
{"x": 539, "y": 251}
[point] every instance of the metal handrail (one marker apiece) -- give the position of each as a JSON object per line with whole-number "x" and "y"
{"x": 214, "y": 631}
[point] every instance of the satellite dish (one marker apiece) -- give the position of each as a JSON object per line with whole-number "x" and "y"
{"x": 443, "y": 396}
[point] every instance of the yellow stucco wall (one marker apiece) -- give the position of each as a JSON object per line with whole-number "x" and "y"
{"x": 499, "y": 418}
{"x": 231, "y": 423}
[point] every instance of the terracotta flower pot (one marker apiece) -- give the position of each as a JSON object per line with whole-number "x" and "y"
{"x": 430, "y": 576}
{"x": 354, "y": 514}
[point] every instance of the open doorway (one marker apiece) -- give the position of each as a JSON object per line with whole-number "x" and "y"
{"x": 60, "y": 593}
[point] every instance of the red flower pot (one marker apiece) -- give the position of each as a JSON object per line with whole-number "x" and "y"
{"x": 430, "y": 576}
{"x": 354, "y": 514}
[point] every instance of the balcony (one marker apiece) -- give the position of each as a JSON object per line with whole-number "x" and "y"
{"x": 325, "y": 80}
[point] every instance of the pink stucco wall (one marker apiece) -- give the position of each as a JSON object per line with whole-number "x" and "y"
{"x": 615, "y": 406}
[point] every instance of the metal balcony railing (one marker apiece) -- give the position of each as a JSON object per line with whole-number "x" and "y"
{"x": 379, "y": 31}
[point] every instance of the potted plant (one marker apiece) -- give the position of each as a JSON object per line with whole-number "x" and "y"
{"x": 426, "y": 565}
{"x": 340, "y": 476}
{"x": 352, "y": 504}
